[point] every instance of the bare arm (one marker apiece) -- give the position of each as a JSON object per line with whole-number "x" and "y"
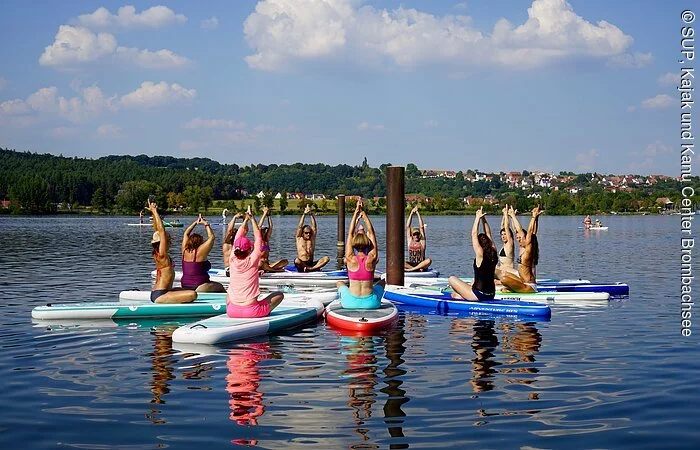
{"x": 257, "y": 235}
{"x": 532, "y": 227}
{"x": 512, "y": 213}
{"x": 421, "y": 224}
{"x": 232, "y": 223}
{"x": 264, "y": 215}
{"x": 370, "y": 234}
{"x": 269, "y": 226}
{"x": 186, "y": 234}
{"x": 351, "y": 230}
{"x": 408, "y": 224}
{"x": 487, "y": 228}
{"x": 158, "y": 226}
{"x": 313, "y": 224}
{"x": 242, "y": 230}
{"x": 209, "y": 243}
{"x": 475, "y": 234}
{"x": 301, "y": 221}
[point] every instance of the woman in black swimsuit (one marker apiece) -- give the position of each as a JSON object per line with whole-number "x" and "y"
{"x": 483, "y": 288}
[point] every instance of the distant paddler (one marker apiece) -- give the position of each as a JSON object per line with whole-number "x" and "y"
{"x": 587, "y": 222}
{"x": 224, "y": 213}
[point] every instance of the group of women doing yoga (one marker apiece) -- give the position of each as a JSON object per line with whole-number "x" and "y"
{"x": 491, "y": 266}
{"x": 245, "y": 261}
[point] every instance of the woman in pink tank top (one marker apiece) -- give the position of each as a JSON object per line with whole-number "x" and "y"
{"x": 244, "y": 287}
{"x": 361, "y": 258}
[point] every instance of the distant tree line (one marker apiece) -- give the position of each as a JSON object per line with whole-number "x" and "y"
{"x": 42, "y": 183}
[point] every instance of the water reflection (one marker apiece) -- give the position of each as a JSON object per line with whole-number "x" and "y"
{"x": 483, "y": 343}
{"x": 162, "y": 365}
{"x": 396, "y": 396}
{"x": 243, "y": 382}
{"x": 361, "y": 353}
{"x": 519, "y": 341}
{"x": 361, "y": 373}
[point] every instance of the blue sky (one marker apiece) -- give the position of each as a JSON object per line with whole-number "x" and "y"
{"x": 495, "y": 86}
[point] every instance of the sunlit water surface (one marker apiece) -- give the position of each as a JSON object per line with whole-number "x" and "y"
{"x": 612, "y": 376}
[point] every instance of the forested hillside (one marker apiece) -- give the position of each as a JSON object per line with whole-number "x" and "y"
{"x": 42, "y": 183}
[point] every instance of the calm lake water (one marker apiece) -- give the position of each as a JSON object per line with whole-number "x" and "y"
{"x": 612, "y": 376}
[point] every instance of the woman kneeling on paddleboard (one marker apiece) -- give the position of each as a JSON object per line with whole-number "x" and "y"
{"x": 361, "y": 294}
{"x": 163, "y": 291}
{"x": 244, "y": 287}
{"x": 195, "y": 265}
{"x": 483, "y": 288}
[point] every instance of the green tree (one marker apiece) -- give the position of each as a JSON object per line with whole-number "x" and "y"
{"x": 207, "y": 197}
{"x": 31, "y": 194}
{"x": 283, "y": 201}
{"x": 257, "y": 205}
{"x": 194, "y": 198}
{"x": 412, "y": 171}
{"x": 99, "y": 200}
{"x": 132, "y": 195}
{"x": 269, "y": 199}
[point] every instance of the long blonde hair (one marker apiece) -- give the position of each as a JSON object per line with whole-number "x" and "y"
{"x": 361, "y": 242}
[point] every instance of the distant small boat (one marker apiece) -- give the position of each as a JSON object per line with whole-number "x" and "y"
{"x": 173, "y": 224}
{"x": 597, "y": 228}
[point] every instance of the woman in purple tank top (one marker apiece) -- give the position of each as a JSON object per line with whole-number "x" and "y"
{"x": 195, "y": 265}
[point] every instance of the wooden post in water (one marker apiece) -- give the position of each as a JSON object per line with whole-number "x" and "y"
{"x": 340, "y": 244}
{"x": 396, "y": 205}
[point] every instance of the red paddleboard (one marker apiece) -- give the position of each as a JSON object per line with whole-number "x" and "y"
{"x": 361, "y": 319}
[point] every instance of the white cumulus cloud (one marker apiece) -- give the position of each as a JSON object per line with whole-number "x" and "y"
{"x": 285, "y": 34}
{"x": 669, "y": 79}
{"x": 15, "y": 107}
{"x": 209, "y": 24}
{"x": 152, "y": 95}
{"x": 659, "y": 101}
{"x": 632, "y": 61}
{"x": 73, "y": 45}
{"x": 161, "y": 59}
{"x": 127, "y": 18}
{"x": 92, "y": 103}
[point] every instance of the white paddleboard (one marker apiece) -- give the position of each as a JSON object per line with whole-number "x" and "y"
{"x": 325, "y": 296}
{"x": 220, "y": 329}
